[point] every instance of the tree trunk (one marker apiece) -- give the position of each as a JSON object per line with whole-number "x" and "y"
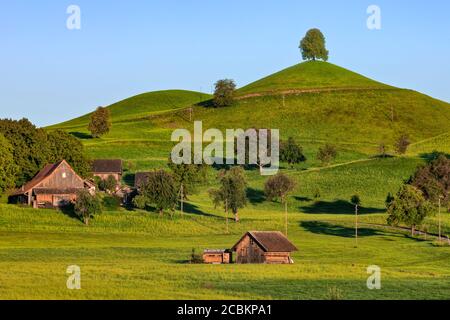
{"x": 161, "y": 212}
{"x": 236, "y": 217}
{"x": 226, "y": 213}
{"x": 86, "y": 221}
{"x": 413, "y": 227}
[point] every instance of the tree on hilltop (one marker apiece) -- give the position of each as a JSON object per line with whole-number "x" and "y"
{"x": 313, "y": 47}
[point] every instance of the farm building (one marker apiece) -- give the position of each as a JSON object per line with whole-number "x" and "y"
{"x": 140, "y": 179}
{"x": 103, "y": 168}
{"x": 55, "y": 185}
{"x": 217, "y": 256}
{"x": 264, "y": 247}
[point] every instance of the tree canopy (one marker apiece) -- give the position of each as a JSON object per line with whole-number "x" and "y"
{"x": 100, "y": 122}
{"x": 87, "y": 206}
{"x": 291, "y": 152}
{"x": 224, "y": 93}
{"x": 232, "y": 192}
{"x": 313, "y": 47}
{"x": 8, "y": 167}
{"x": 159, "y": 191}
{"x": 409, "y": 206}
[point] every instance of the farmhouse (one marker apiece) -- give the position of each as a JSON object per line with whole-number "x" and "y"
{"x": 103, "y": 168}
{"x": 140, "y": 179}
{"x": 55, "y": 185}
{"x": 217, "y": 256}
{"x": 264, "y": 247}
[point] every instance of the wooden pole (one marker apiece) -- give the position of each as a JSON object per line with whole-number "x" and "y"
{"x": 286, "y": 217}
{"x": 439, "y": 219}
{"x": 356, "y": 224}
{"x": 226, "y": 212}
{"x": 181, "y": 198}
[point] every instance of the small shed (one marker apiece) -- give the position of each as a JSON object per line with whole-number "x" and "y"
{"x": 217, "y": 256}
{"x": 103, "y": 168}
{"x": 270, "y": 247}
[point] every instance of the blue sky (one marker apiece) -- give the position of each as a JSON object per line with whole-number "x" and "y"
{"x": 50, "y": 74}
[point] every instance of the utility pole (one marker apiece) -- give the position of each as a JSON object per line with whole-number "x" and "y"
{"x": 226, "y": 212}
{"x": 181, "y": 198}
{"x": 356, "y": 224}
{"x": 439, "y": 217}
{"x": 286, "y": 217}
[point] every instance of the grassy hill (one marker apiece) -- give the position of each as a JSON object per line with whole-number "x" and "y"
{"x": 311, "y": 75}
{"x": 134, "y": 254}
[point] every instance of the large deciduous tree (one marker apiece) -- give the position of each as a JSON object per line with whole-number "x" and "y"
{"x": 409, "y": 206}
{"x": 232, "y": 192}
{"x": 159, "y": 191}
{"x": 313, "y": 47}
{"x": 8, "y": 167}
{"x": 279, "y": 187}
{"x": 224, "y": 93}
{"x": 64, "y": 146}
{"x": 100, "y": 122}
{"x": 30, "y": 147}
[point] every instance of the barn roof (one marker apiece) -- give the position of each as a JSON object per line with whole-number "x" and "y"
{"x": 269, "y": 241}
{"x": 140, "y": 178}
{"x": 107, "y": 166}
{"x": 38, "y": 178}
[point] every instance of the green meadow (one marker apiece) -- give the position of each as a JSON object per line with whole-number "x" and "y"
{"x": 135, "y": 254}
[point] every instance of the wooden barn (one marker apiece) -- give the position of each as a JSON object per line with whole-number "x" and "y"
{"x": 270, "y": 247}
{"x": 214, "y": 256}
{"x": 103, "y": 168}
{"x": 56, "y": 185}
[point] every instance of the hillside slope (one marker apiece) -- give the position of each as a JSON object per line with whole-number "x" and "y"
{"x": 356, "y": 117}
{"x": 311, "y": 75}
{"x": 143, "y": 105}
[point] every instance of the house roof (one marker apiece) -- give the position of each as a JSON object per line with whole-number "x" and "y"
{"x": 107, "y": 166}
{"x": 38, "y": 178}
{"x": 140, "y": 178}
{"x": 269, "y": 241}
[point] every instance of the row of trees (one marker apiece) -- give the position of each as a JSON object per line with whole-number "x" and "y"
{"x": 25, "y": 149}
{"x": 419, "y": 197}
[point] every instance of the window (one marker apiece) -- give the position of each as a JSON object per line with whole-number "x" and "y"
{"x": 64, "y": 175}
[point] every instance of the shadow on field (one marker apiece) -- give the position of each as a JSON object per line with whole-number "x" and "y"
{"x": 193, "y": 209}
{"x": 255, "y": 196}
{"x": 336, "y": 230}
{"x": 81, "y": 135}
{"x": 337, "y": 207}
{"x": 129, "y": 179}
{"x": 433, "y": 155}
{"x": 303, "y": 199}
{"x": 69, "y": 210}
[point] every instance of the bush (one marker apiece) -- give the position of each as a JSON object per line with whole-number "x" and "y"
{"x": 195, "y": 258}
{"x": 327, "y": 154}
{"x": 111, "y": 203}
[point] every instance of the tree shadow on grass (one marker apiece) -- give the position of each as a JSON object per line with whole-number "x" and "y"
{"x": 69, "y": 210}
{"x": 303, "y": 199}
{"x": 129, "y": 179}
{"x": 255, "y": 196}
{"x": 193, "y": 209}
{"x": 329, "y": 229}
{"x": 433, "y": 155}
{"x": 81, "y": 135}
{"x": 337, "y": 207}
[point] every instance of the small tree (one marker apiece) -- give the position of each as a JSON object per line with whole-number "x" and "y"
{"x": 224, "y": 93}
{"x": 159, "y": 191}
{"x": 87, "y": 206}
{"x": 110, "y": 184}
{"x": 382, "y": 150}
{"x": 100, "y": 122}
{"x": 291, "y": 152}
{"x": 356, "y": 201}
{"x": 232, "y": 192}
{"x": 402, "y": 144}
{"x": 409, "y": 207}
{"x": 186, "y": 176}
{"x": 313, "y": 47}
{"x": 279, "y": 187}
{"x": 327, "y": 154}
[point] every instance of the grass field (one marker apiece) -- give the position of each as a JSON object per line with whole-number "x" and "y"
{"x": 134, "y": 254}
